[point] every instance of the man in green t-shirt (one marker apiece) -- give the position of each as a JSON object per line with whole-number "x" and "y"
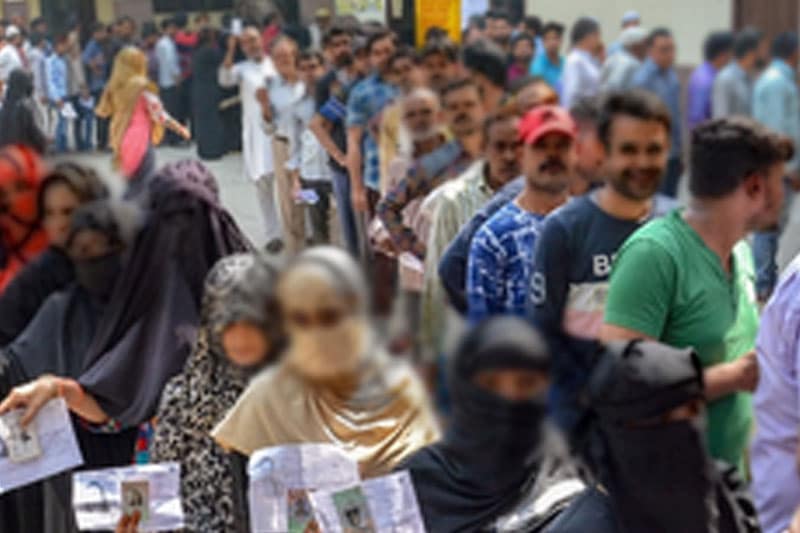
{"x": 688, "y": 279}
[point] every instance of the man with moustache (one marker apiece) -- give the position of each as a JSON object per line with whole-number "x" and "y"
{"x": 464, "y": 115}
{"x": 687, "y": 279}
{"x": 501, "y": 255}
{"x": 578, "y": 242}
{"x": 455, "y": 203}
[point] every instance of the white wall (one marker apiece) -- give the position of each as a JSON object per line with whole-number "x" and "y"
{"x": 689, "y": 20}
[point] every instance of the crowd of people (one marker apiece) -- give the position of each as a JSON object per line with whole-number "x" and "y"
{"x": 477, "y": 268}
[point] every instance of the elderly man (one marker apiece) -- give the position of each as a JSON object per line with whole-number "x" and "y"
{"x": 619, "y": 68}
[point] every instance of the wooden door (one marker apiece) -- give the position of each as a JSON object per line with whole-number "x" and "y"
{"x": 770, "y": 16}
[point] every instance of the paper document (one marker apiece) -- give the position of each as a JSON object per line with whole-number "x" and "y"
{"x": 283, "y": 477}
{"x": 45, "y": 448}
{"x": 99, "y": 497}
{"x": 381, "y": 505}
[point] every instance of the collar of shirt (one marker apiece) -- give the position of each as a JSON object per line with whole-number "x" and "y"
{"x": 784, "y": 68}
{"x": 584, "y": 56}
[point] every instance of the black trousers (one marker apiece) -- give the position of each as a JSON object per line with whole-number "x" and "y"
{"x": 171, "y": 98}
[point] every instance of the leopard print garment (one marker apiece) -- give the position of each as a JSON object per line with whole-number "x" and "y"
{"x": 237, "y": 288}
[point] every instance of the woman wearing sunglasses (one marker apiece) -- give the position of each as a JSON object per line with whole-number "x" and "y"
{"x": 335, "y": 383}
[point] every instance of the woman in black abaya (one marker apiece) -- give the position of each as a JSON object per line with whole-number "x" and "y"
{"x": 18, "y": 117}
{"x": 500, "y": 458}
{"x": 206, "y": 96}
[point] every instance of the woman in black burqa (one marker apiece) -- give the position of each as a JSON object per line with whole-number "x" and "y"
{"x": 18, "y": 117}
{"x": 147, "y": 328}
{"x": 206, "y": 97}
{"x": 500, "y": 455}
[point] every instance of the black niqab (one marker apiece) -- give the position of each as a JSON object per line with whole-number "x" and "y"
{"x": 494, "y": 446}
{"x": 657, "y": 473}
{"x": 149, "y": 326}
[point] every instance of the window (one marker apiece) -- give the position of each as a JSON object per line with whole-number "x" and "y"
{"x": 171, "y": 6}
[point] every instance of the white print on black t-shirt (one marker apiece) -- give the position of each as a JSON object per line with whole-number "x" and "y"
{"x": 601, "y": 265}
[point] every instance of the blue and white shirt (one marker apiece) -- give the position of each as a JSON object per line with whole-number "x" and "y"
{"x": 500, "y": 263}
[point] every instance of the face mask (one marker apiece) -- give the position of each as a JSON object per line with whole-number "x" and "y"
{"x": 325, "y": 353}
{"x": 659, "y": 478}
{"x": 98, "y": 276}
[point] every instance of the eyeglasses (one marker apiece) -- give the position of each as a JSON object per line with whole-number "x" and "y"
{"x": 324, "y": 318}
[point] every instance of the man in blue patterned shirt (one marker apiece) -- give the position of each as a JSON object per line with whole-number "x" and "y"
{"x": 501, "y": 255}
{"x": 366, "y": 101}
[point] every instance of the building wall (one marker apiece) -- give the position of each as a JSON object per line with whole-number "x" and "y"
{"x": 690, "y": 20}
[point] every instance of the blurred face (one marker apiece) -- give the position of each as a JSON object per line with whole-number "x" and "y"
{"x": 515, "y": 385}
{"x": 534, "y": 95}
{"x": 523, "y": 51}
{"x": 503, "y": 152}
{"x": 590, "y": 154}
{"x": 402, "y": 73}
{"x": 284, "y": 56}
{"x": 339, "y": 49}
{"x": 100, "y": 35}
{"x": 380, "y": 53}
{"x": 636, "y": 156}
{"x": 251, "y": 44}
{"x": 311, "y": 70}
{"x": 127, "y": 28}
{"x": 552, "y": 43}
{"x": 245, "y": 344}
{"x": 439, "y": 70}
{"x": 762, "y": 53}
{"x": 59, "y": 203}
{"x": 499, "y": 30}
{"x": 592, "y": 42}
{"x": 419, "y": 117}
{"x": 463, "y": 111}
{"x": 662, "y": 52}
{"x": 770, "y": 188}
{"x": 549, "y": 163}
{"x": 89, "y": 244}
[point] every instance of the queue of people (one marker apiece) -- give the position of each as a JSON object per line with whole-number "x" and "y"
{"x": 476, "y": 270}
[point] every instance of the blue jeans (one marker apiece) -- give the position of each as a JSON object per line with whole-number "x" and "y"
{"x": 765, "y": 249}
{"x": 61, "y": 143}
{"x": 347, "y": 217}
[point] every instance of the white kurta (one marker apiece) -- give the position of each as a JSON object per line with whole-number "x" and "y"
{"x": 250, "y": 76}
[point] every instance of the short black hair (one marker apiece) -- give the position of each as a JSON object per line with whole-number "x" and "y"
{"x": 435, "y": 33}
{"x": 499, "y": 14}
{"x": 636, "y": 103}
{"x": 97, "y": 26}
{"x": 181, "y": 19}
{"x": 746, "y": 41}
{"x": 586, "y": 110}
{"x": 402, "y": 52}
{"x": 443, "y": 47}
{"x": 126, "y": 19}
{"x": 167, "y": 22}
{"x": 533, "y": 24}
{"x": 334, "y": 32}
{"x": 553, "y": 26}
{"x": 726, "y": 151}
{"x": 477, "y": 20}
{"x": 37, "y": 21}
{"x": 307, "y": 55}
{"x": 656, "y": 33}
{"x": 60, "y": 38}
{"x": 522, "y": 37}
{"x": 525, "y": 81}
{"x": 486, "y": 58}
{"x": 496, "y": 118}
{"x": 716, "y": 44}
{"x": 379, "y": 35}
{"x": 785, "y": 45}
{"x": 583, "y": 27}
{"x": 457, "y": 85}
{"x": 149, "y": 29}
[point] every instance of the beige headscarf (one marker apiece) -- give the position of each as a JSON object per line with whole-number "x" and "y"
{"x": 375, "y": 408}
{"x": 128, "y": 81}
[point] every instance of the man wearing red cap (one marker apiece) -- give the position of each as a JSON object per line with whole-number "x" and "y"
{"x": 577, "y": 243}
{"x": 501, "y": 255}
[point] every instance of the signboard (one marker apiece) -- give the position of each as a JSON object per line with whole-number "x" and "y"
{"x": 363, "y": 10}
{"x": 445, "y": 14}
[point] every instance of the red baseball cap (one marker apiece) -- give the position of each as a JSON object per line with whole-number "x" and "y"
{"x": 542, "y": 120}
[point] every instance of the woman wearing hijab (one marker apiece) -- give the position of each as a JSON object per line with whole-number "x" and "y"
{"x": 649, "y": 452}
{"x": 56, "y": 342}
{"x": 206, "y": 96}
{"x": 65, "y": 189}
{"x": 239, "y": 333}
{"x": 21, "y": 235}
{"x": 335, "y": 382}
{"x": 137, "y": 117}
{"x": 501, "y": 466}
{"x": 18, "y": 118}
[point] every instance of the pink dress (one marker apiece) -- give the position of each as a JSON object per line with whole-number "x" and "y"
{"x": 136, "y": 140}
